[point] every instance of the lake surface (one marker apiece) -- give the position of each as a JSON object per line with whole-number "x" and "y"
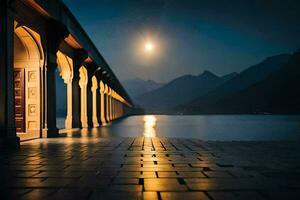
{"x": 206, "y": 127}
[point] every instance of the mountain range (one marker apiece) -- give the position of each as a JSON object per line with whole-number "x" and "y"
{"x": 250, "y": 91}
{"x": 181, "y": 90}
{"x": 136, "y": 87}
{"x": 243, "y": 80}
{"x": 278, "y": 93}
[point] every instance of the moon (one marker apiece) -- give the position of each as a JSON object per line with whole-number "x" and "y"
{"x": 149, "y": 47}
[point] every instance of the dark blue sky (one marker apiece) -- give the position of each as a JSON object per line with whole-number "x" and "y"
{"x": 190, "y": 35}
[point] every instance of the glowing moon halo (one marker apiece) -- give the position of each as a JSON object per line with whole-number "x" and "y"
{"x": 149, "y": 46}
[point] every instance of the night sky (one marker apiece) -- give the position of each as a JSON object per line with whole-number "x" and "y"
{"x": 189, "y": 36}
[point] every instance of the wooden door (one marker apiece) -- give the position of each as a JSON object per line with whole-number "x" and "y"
{"x": 19, "y": 89}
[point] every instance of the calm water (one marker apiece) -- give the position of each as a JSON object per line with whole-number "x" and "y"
{"x": 207, "y": 127}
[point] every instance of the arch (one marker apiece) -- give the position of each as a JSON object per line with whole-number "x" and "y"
{"x": 65, "y": 68}
{"x": 83, "y": 96}
{"x": 28, "y": 81}
{"x": 27, "y": 47}
{"x": 95, "y": 109}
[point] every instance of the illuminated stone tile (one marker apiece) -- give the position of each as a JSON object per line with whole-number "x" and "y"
{"x": 183, "y": 195}
{"x": 167, "y": 175}
{"x": 150, "y": 196}
{"x": 163, "y": 184}
{"x": 137, "y": 174}
{"x": 187, "y": 174}
{"x": 99, "y": 194}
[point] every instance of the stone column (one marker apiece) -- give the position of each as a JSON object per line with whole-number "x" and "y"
{"x": 7, "y": 110}
{"x": 89, "y": 103}
{"x": 68, "y": 122}
{"x": 83, "y": 94}
{"x": 119, "y": 109}
{"x": 110, "y": 104}
{"x": 122, "y": 110}
{"x": 55, "y": 34}
{"x": 116, "y": 109}
{"x": 90, "y": 98}
{"x": 113, "y": 108}
{"x": 102, "y": 103}
{"x": 107, "y": 103}
{"x": 78, "y": 59}
{"x": 94, "y": 89}
{"x": 98, "y": 104}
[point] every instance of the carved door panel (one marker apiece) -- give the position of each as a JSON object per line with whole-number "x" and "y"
{"x": 32, "y": 99}
{"x": 19, "y": 89}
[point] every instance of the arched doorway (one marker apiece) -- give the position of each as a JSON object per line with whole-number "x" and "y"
{"x": 28, "y": 67}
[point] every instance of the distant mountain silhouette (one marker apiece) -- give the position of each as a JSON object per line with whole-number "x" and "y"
{"x": 136, "y": 87}
{"x": 240, "y": 82}
{"x": 277, "y": 93}
{"x": 229, "y": 76}
{"x": 181, "y": 90}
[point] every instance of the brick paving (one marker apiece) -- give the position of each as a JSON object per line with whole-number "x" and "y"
{"x": 150, "y": 168}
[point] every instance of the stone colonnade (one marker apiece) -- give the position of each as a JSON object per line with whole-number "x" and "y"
{"x": 106, "y": 104}
{"x": 36, "y": 41}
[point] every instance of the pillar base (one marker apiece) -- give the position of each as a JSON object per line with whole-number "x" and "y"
{"x": 85, "y": 126}
{"x": 84, "y": 123}
{"x": 9, "y": 142}
{"x": 95, "y": 124}
{"x": 104, "y": 123}
{"x": 68, "y": 122}
{"x": 50, "y": 133}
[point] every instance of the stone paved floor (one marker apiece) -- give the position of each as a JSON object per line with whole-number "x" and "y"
{"x": 150, "y": 168}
